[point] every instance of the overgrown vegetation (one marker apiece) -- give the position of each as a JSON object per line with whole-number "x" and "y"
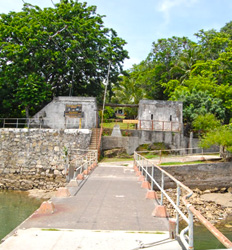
{"x": 221, "y": 136}
{"x": 196, "y": 73}
{"x": 59, "y": 51}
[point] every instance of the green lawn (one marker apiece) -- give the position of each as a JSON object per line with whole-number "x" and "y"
{"x": 116, "y": 159}
{"x": 181, "y": 163}
{"x": 121, "y": 124}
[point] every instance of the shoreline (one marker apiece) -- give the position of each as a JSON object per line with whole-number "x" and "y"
{"x": 215, "y": 205}
{"x": 41, "y": 194}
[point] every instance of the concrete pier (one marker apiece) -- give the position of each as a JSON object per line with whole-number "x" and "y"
{"x": 110, "y": 211}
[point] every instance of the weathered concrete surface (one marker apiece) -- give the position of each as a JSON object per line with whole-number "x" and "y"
{"x": 53, "y": 113}
{"x": 155, "y": 110}
{"x": 111, "y": 199}
{"x": 139, "y": 137}
{"x": 202, "y": 176}
{"x": 37, "y": 239}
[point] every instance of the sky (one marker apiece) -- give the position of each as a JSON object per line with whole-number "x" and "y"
{"x": 142, "y": 22}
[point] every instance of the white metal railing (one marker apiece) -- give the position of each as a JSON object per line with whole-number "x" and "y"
{"x": 151, "y": 125}
{"x": 148, "y": 169}
{"x": 162, "y": 155}
{"x": 38, "y": 123}
{"x": 81, "y": 163}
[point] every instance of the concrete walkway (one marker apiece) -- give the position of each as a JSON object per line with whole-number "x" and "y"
{"x": 108, "y": 212}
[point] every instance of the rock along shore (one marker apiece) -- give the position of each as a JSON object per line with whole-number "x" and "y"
{"x": 215, "y": 205}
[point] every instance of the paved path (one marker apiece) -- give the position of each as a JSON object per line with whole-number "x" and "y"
{"x": 108, "y": 212}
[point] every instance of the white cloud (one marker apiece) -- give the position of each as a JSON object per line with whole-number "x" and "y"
{"x": 166, "y": 6}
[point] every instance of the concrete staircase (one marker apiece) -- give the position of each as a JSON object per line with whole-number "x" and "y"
{"x": 94, "y": 138}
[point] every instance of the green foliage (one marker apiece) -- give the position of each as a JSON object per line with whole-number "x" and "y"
{"x": 63, "y": 50}
{"x": 31, "y": 91}
{"x": 109, "y": 113}
{"x": 221, "y": 136}
{"x": 199, "y": 103}
{"x": 205, "y": 123}
{"x": 198, "y": 74}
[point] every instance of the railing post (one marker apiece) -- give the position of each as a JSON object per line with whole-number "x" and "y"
{"x": 17, "y": 123}
{"x": 146, "y": 171}
{"x": 162, "y": 186}
{"x": 190, "y": 216}
{"x": 177, "y": 204}
{"x": 142, "y": 165}
{"x": 139, "y": 159}
{"x": 153, "y": 177}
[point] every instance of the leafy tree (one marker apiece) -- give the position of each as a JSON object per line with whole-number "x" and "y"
{"x": 221, "y": 136}
{"x": 198, "y": 74}
{"x": 66, "y": 48}
{"x": 227, "y": 29}
{"x": 205, "y": 123}
{"x": 197, "y": 103}
{"x": 109, "y": 113}
{"x": 31, "y": 91}
{"x": 211, "y": 43}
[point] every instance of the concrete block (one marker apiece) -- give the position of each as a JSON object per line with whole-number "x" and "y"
{"x": 138, "y": 173}
{"x": 141, "y": 178}
{"x": 146, "y": 184}
{"x": 86, "y": 172}
{"x": 135, "y": 168}
{"x": 151, "y": 195}
{"x": 172, "y": 228}
{"x": 80, "y": 177}
{"x": 160, "y": 211}
{"x": 62, "y": 192}
{"x": 47, "y": 207}
{"x": 72, "y": 183}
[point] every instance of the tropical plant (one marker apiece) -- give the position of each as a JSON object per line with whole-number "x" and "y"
{"x": 63, "y": 50}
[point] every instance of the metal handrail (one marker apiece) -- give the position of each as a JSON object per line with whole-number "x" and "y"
{"x": 42, "y": 123}
{"x": 178, "y": 150}
{"x": 186, "y": 240}
{"x": 178, "y": 153}
{"x": 33, "y": 122}
{"x": 82, "y": 162}
{"x": 155, "y": 125}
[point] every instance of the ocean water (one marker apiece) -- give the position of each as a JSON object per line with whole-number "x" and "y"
{"x": 15, "y": 207}
{"x": 203, "y": 239}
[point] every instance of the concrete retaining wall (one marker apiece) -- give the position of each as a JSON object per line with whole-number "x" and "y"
{"x": 139, "y": 137}
{"x": 202, "y": 176}
{"x": 174, "y": 140}
{"x": 36, "y": 158}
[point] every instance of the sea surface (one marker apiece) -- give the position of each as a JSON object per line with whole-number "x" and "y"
{"x": 16, "y": 206}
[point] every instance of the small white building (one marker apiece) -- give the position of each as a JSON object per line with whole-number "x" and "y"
{"x": 69, "y": 112}
{"x": 160, "y": 115}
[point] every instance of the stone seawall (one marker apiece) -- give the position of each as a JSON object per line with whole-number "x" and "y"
{"x": 36, "y": 158}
